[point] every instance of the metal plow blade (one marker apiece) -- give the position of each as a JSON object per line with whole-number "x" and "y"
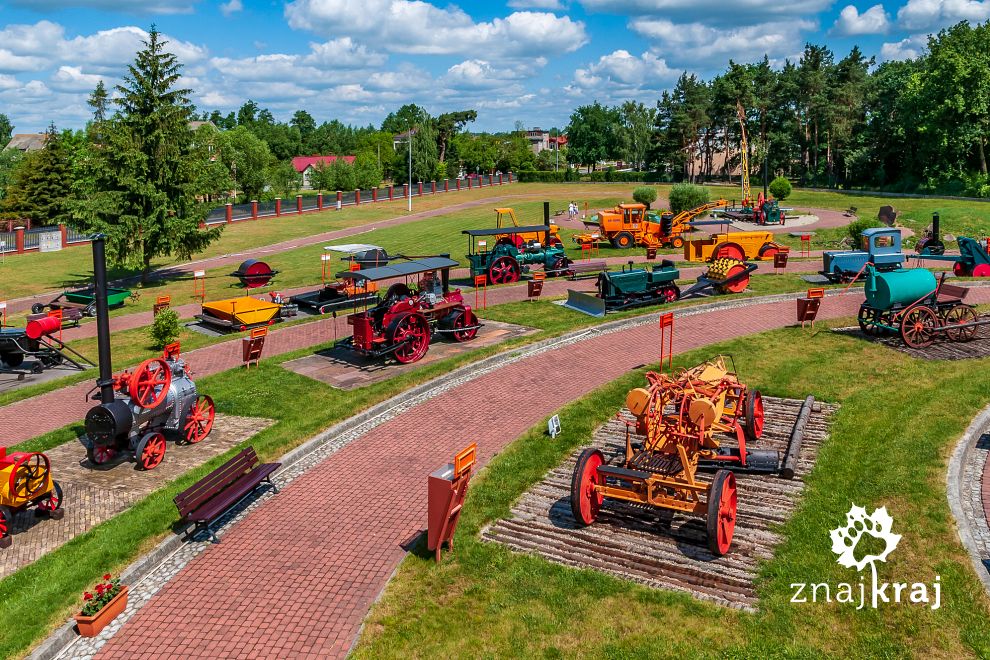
{"x": 585, "y": 303}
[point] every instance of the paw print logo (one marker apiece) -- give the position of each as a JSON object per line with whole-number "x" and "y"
{"x": 877, "y": 525}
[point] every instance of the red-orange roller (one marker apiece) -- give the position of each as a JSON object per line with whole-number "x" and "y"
{"x": 42, "y": 327}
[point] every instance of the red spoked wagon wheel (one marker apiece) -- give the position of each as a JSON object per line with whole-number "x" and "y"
{"x": 6, "y": 523}
{"x": 670, "y": 293}
{"x": 412, "y": 333}
{"x": 464, "y": 319}
{"x": 754, "y": 416}
{"x": 29, "y": 476}
{"x": 960, "y": 270}
{"x": 504, "y": 270}
{"x": 586, "y": 501}
{"x": 918, "y": 327}
{"x": 960, "y": 315}
{"x": 100, "y": 454}
{"x": 150, "y": 451}
{"x": 721, "y": 519}
{"x": 729, "y": 251}
{"x": 559, "y": 267}
{"x": 148, "y": 385}
{"x": 53, "y": 502}
{"x": 199, "y": 423}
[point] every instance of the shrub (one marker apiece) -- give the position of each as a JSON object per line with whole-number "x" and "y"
{"x": 780, "y": 188}
{"x": 165, "y": 328}
{"x": 686, "y": 196}
{"x": 645, "y": 195}
{"x": 857, "y": 227}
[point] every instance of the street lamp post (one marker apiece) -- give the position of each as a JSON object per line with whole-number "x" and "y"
{"x": 233, "y": 168}
{"x": 409, "y": 139}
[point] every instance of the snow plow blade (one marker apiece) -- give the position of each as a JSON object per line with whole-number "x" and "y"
{"x": 585, "y": 303}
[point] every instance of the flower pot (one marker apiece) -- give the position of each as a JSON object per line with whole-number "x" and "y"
{"x": 90, "y": 626}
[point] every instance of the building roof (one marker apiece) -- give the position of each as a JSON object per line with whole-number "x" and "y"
{"x": 300, "y": 163}
{"x": 404, "y": 134}
{"x": 194, "y": 125}
{"x": 27, "y": 141}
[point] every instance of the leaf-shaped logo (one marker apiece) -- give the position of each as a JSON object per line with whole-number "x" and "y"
{"x": 878, "y": 525}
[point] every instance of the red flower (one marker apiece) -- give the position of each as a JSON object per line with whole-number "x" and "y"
{"x": 87, "y": 596}
{"x": 106, "y": 576}
{"x": 99, "y": 589}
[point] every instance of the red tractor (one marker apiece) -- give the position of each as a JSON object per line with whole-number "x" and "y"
{"x": 404, "y": 322}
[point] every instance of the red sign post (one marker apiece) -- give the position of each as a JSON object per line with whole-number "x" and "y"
{"x": 253, "y": 346}
{"x": 667, "y": 339}
{"x": 481, "y": 284}
{"x": 446, "y": 489}
{"x": 807, "y": 308}
{"x": 199, "y": 285}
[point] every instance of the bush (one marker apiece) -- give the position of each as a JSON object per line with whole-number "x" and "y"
{"x": 165, "y": 328}
{"x": 780, "y": 188}
{"x": 857, "y": 227}
{"x": 685, "y": 196}
{"x": 645, "y": 195}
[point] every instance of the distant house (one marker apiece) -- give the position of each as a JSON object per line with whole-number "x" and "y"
{"x": 195, "y": 125}
{"x": 27, "y": 142}
{"x": 400, "y": 139}
{"x": 305, "y": 165}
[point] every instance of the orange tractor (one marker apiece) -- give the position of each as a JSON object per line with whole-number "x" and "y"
{"x": 628, "y": 225}
{"x": 25, "y": 481}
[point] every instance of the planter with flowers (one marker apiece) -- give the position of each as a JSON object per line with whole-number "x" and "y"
{"x": 103, "y": 605}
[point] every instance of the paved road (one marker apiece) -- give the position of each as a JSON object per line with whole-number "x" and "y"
{"x": 296, "y": 577}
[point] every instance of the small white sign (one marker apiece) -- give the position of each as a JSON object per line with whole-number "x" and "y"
{"x": 199, "y": 273}
{"x": 3, "y": 305}
{"x": 325, "y": 257}
{"x": 482, "y": 243}
{"x": 553, "y": 426}
{"x": 50, "y": 241}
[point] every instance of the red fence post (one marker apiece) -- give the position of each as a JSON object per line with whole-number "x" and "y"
{"x": 433, "y": 187}
{"x": 446, "y": 185}
{"x": 391, "y": 190}
{"x": 229, "y": 216}
{"x": 299, "y": 204}
{"x": 340, "y": 199}
{"x": 499, "y": 178}
{"x": 254, "y": 209}
{"x": 278, "y": 206}
{"x": 420, "y": 193}
{"x": 357, "y": 197}
{"x": 374, "y": 194}
{"x": 319, "y": 201}
{"x": 510, "y": 177}
{"x": 405, "y": 190}
{"x": 469, "y": 183}
{"x": 65, "y": 235}
{"x": 457, "y": 183}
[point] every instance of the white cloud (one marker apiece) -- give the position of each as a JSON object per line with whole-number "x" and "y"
{"x": 873, "y": 21}
{"x": 698, "y": 44}
{"x": 536, "y": 4}
{"x": 416, "y": 27}
{"x": 125, "y": 6}
{"x": 231, "y": 7}
{"x": 905, "y": 49}
{"x": 11, "y": 63}
{"x": 714, "y": 11}
{"x": 623, "y": 69}
{"x": 934, "y": 14}
{"x": 482, "y": 74}
{"x": 344, "y": 53}
{"x": 72, "y": 79}
{"x": 114, "y": 48}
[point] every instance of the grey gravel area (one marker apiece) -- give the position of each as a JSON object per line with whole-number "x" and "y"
{"x": 964, "y": 488}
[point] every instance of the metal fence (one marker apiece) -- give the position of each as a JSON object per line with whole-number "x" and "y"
{"x": 73, "y": 235}
{"x": 8, "y": 241}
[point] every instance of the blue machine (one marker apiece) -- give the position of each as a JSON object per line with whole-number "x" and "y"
{"x": 880, "y": 246}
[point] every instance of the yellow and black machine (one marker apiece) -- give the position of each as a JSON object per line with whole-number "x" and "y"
{"x": 25, "y": 481}
{"x": 681, "y": 417}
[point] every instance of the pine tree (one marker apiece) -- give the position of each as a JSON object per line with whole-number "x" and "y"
{"x": 144, "y": 177}
{"x": 42, "y": 184}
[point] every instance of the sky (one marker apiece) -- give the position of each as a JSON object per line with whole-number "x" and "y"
{"x": 529, "y": 61}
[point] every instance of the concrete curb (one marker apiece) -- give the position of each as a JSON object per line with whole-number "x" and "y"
{"x": 954, "y": 491}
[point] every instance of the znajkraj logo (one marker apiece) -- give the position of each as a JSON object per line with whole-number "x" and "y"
{"x": 844, "y": 542}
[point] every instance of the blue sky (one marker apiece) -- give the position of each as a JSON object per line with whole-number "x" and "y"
{"x": 356, "y": 60}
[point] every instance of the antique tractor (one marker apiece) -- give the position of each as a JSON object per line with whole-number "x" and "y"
{"x": 504, "y": 262}
{"x": 138, "y": 408}
{"x": 881, "y": 247}
{"x": 680, "y": 417}
{"x": 26, "y": 480}
{"x": 36, "y": 340}
{"x": 403, "y": 324}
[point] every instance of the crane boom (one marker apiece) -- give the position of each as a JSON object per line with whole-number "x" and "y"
{"x": 744, "y": 155}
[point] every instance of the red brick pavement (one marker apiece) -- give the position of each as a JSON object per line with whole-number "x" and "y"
{"x": 297, "y": 576}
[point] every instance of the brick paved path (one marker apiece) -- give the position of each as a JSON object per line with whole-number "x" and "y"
{"x": 296, "y": 577}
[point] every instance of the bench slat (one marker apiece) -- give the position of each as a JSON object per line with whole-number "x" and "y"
{"x": 232, "y": 494}
{"x": 214, "y": 482}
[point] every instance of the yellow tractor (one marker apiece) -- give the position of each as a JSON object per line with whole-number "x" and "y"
{"x": 740, "y": 245}
{"x": 628, "y": 225}
{"x": 26, "y": 480}
{"x": 502, "y": 218}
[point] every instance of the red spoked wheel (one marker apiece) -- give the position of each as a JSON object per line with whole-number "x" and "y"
{"x": 53, "y": 502}
{"x": 735, "y": 285}
{"x": 150, "y": 451}
{"x": 199, "y": 423}
{"x": 504, "y": 270}
{"x": 721, "y": 519}
{"x": 768, "y": 252}
{"x": 960, "y": 270}
{"x": 586, "y": 500}
{"x": 148, "y": 385}
{"x": 729, "y": 251}
{"x": 100, "y": 454}
{"x": 412, "y": 333}
{"x": 669, "y": 294}
{"x": 960, "y": 315}
{"x": 918, "y": 327}
{"x": 6, "y": 524}
{"x": 754, "y": 416}
{"x": 981, "y": 270}
{"x": 464, "y": 319}
{"x": 558, "y": 267}
{"x": 29, "y": 477}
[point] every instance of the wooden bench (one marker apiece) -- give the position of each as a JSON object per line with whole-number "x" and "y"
{"x": 585, "y": 268}
{"x": 209, "y": 498}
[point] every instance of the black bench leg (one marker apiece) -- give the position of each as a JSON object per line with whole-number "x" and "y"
{"x": 271, "y": 483}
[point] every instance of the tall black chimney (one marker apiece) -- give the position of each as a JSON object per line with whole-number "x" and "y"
{"x": 936, "y": 234}
{"x": 105, "y": 382}
{"x": 546, "y": 213}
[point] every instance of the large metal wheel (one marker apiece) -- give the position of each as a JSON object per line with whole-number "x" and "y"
{"x": 38, "y": 308}
{"x": 729, "y": 250}
{"x": 395, "y": 293}
{"x": 670, "y": 293}
{"x": 769, "y": 251}
{"x": 464, "y": 319}
{"x": 959, "y": 315}
{"x": 6, "y": 524}
{"x": 412, "y": 333}
{"x": 738, "y": 285}
{"x": 586, "y": 501}
{"x": 721, "y": 519}
{"x": 150, "y": 451}
{"x": 13, "y": 360}
{"x": 959, "y": 269}
{"x": 677, "y": 242}
{"x": 918, "y": 327}
{"x": 53, "y": 502}
{"x": 754, "y": 416}
{"x": 624, "y": 240}
{"x": 199, "y": 423}
{"x": 149, "y": 383}
{"x": 29, "y": 476}
{"x": 504, "y": 270}
{"x": 100, "y": 454}
{"x": 868, "y": 319}
{"x": 981, "y": 270}
{"x": 558, "y": 267}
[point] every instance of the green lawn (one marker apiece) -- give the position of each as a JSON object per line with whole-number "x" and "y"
{"x": 886, "y": 449}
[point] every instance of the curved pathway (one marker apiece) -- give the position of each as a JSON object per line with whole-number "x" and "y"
{"x": 297, "y": 575}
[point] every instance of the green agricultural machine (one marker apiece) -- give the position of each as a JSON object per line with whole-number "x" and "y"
{"x": 494, "y": 253}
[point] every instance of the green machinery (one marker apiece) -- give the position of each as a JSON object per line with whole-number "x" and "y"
{"x": 494, "y": 253}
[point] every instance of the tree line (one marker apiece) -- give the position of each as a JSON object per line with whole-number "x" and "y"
{"x": 918, "y": 125}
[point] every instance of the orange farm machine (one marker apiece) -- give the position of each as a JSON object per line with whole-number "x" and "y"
{"x": 403, "y": 324}
{"x": 26, "y": 481}
{"x": 629, "y": 225}
{"x": 683, "y": 419}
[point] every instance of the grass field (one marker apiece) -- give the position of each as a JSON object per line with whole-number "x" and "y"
{"x": 886, "y": 449}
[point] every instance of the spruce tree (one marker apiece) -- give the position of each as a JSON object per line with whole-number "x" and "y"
{"x": 42, "y": 184}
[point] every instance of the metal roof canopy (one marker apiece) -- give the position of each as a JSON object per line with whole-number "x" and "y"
{"x": 505, "y": 230}
{"x": 351, "y": 248}
{"x": 403, "y": 269}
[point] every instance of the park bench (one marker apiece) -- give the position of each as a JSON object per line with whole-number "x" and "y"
{"x": 585, "y": 269}
{"x": 208, "y": 499}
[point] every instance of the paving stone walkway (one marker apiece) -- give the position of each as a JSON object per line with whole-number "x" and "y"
{"x": 296, "y": 577}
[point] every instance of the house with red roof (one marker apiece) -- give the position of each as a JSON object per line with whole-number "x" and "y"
{"x": 305, "y": 165}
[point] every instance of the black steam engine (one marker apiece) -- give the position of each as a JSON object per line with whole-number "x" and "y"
{"x": 139, "y": 408}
